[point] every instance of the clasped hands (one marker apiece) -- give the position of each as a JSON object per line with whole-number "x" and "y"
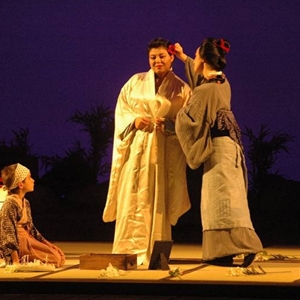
{"x": 147, "y": 124}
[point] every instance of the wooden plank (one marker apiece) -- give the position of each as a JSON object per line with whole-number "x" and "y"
{"x": 98, "y": 261}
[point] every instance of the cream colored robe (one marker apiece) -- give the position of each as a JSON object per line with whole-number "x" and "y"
{"x": 147, "y": 190}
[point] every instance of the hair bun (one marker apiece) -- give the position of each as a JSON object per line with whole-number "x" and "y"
{"x": 223, "y": 44}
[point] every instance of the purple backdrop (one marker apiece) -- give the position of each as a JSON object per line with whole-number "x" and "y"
{"x": 58, "y": 56}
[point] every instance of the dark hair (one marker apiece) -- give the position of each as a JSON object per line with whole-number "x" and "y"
{"x": 213, "y": 51}
{"x": 158, "y": 42}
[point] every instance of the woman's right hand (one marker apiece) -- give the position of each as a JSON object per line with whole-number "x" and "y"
{"x": 179, "y": 52}
{"x": 141, "y": 123}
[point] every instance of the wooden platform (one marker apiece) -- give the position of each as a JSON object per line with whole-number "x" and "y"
{"x": 280, "y": 281}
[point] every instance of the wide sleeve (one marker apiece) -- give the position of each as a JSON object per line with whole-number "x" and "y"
{"x": 8, "y": 229}
{"x": 194, "y": 79}
{"x": 124, "y": 114}
{"x": 193, "y": 129}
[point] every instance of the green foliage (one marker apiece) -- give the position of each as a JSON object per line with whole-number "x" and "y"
{"x": 263, "y": 153}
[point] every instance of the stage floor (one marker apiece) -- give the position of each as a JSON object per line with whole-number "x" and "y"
{"x": 281, "y": 279}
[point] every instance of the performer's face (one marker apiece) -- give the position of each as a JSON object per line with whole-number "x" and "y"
{"x": 28, "y": 184}
{"x": 160, "y": 61}
{"x": 198, "y": 63}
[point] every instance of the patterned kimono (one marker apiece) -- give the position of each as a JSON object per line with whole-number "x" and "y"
{"x": 18, "y": 233}
{"x": 148, "y": 190}
{"x": 210, "y": 135}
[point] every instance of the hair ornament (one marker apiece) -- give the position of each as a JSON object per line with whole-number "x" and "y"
{"x": 223, "y": 44}
{"x": 171, "y": 49}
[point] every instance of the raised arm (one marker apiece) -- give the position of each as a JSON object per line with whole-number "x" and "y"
{"x": 193, "y": 79}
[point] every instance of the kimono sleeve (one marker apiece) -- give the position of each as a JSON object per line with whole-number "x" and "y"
{"x": 8, "y": 229}
{"x": 124, "y": 117}
{"x": 126, "y": 112}
{"x": 123, "y": 120}
{"x": 193, "y": 79}
{"x": 193, "y": 130}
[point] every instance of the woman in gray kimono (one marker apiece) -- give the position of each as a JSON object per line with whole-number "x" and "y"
{"x": 147, "y": 188}
{"x": 209, "y": 135}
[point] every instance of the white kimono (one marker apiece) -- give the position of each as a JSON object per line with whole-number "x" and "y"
{"x": 147, "y": 189}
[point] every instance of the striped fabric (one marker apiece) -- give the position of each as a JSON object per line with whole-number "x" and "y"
{"x": 224, "y": 242}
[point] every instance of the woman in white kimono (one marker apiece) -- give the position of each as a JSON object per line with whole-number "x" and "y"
{"x": 147, "y": 189}
{"x": 209, "y": 135}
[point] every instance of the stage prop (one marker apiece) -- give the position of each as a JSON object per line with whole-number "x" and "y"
{"x": 94, "y": 261}
{"x": 159, "y": 259}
